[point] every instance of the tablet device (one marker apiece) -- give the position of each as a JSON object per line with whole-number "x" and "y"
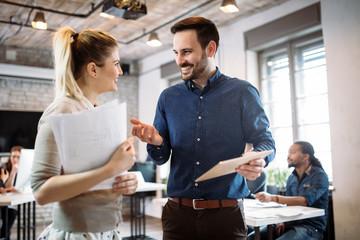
{"x": 228, "y": 166}
{"x": 22, "y": 183}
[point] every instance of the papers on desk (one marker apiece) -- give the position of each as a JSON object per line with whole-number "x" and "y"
{"x": 86, "y": 140}
{"x": 257, "y": 209}
{"x": 257, "y": 204}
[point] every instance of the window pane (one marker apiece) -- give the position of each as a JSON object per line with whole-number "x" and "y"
{"x": 312, "y": 100}
{"x": 313, "y": 109}
{"x": 276, "y": 98}
{"x": 283, "y": 139}
{"x": 309, "y": 97}
{"x": 279, "y": 113}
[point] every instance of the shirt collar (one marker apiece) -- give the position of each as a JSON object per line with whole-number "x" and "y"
{"x": 211, "y": 82}
{"x": 307, "y": 171}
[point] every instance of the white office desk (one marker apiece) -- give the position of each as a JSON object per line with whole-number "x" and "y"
{"x": 256, "y": 215}
{"x": 26, "y": 213}
{"x": 13, "y": 199}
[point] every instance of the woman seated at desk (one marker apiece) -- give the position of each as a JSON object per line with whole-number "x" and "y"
{"x": 8, "y": 178}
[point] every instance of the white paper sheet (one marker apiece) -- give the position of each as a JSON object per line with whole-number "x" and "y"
{"x": 86, "y": 140}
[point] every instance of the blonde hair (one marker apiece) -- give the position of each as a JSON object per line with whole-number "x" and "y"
{"x": 72, "y": 52}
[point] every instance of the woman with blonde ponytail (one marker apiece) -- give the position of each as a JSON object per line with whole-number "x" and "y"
{"x": 86, "y": 65}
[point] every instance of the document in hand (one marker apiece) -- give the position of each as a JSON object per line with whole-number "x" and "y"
{"x": 87, "y": 139}
{"x": 228, "y": 166}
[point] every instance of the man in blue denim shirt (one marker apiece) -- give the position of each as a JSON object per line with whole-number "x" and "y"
{"x": 308, "y": 185}
{"x": 208, "y": 119}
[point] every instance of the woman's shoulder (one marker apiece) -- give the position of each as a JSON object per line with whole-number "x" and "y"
{"x": 62, "y": 105}
{"x": 66, "y": 105}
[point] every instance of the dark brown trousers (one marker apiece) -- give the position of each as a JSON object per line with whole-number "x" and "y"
{"x": 184, "y": 223}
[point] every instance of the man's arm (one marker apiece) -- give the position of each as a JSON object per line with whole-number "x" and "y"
{"x": 256, "y": 128}
{"x": 291, "y": 201}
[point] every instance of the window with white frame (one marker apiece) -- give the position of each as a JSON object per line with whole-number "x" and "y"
{"x": 293, "y": 88}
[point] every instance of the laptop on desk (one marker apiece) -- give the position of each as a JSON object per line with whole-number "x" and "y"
{"x": 22, "y": 183}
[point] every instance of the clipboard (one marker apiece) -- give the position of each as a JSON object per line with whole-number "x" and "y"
{"x": 228, "y": 166}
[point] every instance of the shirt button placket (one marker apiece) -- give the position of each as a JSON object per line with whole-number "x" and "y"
{"x": 198, "y": 139}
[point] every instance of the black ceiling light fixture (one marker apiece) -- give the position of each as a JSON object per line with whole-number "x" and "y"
{"x": 229, "y": 6}
{"x": 154, "y": 40}
{"x": 127, "y": 9}
{"x": 39, "y": 21}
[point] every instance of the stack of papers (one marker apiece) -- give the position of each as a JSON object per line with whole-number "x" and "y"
{"x": 257, "y": 204}
{"x": 86, "y": 140}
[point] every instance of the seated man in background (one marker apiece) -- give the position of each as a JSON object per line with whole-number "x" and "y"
{"x": 308, "y": 185}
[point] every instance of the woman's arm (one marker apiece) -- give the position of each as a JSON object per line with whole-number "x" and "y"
{"x": 9, "y": 182}
{"x": 62, "y": 187}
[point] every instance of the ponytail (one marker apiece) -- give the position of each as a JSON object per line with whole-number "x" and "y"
{"x": 65, "y": 83}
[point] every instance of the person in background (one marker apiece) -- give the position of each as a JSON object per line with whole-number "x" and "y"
{"x": 11, "y": 168}
{"x": 308, "y": 185}
{"x": 86, "y": 65}
{"x": 4, "y": 175}
{"x": 207, "y": 119}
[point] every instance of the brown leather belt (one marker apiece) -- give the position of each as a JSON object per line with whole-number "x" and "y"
{"x": 199, "y": 204}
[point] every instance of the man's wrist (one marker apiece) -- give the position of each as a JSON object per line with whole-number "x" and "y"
{"x": 275, "y": 198}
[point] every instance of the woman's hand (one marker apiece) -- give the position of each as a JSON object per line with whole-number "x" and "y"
{"x": 4, "y": 174}
{"x": 126, "y": 184}
{"x": 123, "y": 158}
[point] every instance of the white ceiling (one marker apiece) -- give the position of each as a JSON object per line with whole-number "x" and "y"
{"x": 131, "y": 34}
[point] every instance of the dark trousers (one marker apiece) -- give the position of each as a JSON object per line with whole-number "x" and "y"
{"x": 12, "y": 213}
{"x": 184, "y": 223}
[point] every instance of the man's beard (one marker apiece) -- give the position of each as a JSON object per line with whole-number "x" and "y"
{"x": 198, "y": 68}
{"x": 291, "y": 164}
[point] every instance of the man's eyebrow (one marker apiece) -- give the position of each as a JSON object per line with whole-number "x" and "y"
{"x": 183, "y": 49}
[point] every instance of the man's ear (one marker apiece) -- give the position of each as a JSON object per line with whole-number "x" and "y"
{"x": 211, "y": 47}
{"x": 91, "y": 69}
{"x": 306, "y": 156}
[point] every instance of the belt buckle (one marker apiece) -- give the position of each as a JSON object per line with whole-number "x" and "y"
{"x": 194, "y": 204}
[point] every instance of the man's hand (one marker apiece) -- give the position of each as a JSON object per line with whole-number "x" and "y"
{"x": 126, "y": 184}
{"x": 146, "y": 133}
{"x": 280, "y": 228}
{"x": 263, "y": 197}
{"x": 253, "y": 169}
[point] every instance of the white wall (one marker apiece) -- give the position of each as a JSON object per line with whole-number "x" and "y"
{"x": 150, "y": 87}
{"x": 341, "y": 31}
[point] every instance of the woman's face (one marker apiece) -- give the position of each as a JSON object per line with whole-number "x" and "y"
{"x": 15, "y": 157}
{"x": 109, "y": 74}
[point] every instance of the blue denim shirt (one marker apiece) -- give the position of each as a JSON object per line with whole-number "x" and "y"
{"x": 201, "y": 128}
{"x": 314, "y": 186}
